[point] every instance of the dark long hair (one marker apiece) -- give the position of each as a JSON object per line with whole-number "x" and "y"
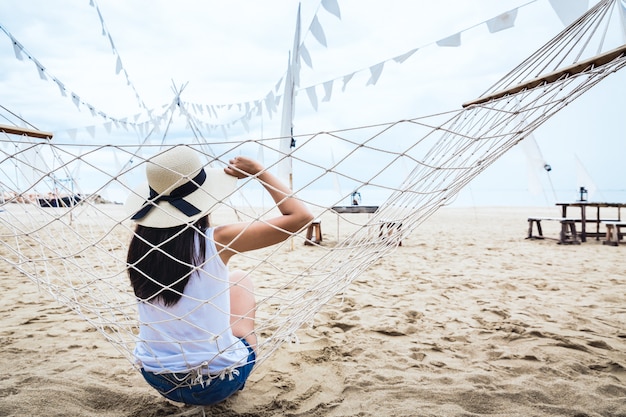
{"x": 160, "y": 260}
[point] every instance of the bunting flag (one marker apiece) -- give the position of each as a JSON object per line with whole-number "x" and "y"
{"x": 118, "y": 65}
{"x": 17, "y": 49}
{"x": 569, "y": 10}
{"x": 310, "y": 91}
{"x": 375, "y": 72}
{"x": 401, "y": 58}
{"x": 76, "y": 101}
{"x": 42, "y": 72}
{"x": 502, "y": 22}
{"x": 453, "y": 41}
{"x": 328, "y": 90}
{"x": 346, "y": 80}
{"x": 332, "y": 7}
{"x": 306, "y": 57}
{"x": 270, "y": 103}
{"x": 61, "y": 87}
{"x": 317, "y": 31}
{"x": 72, "y": 133}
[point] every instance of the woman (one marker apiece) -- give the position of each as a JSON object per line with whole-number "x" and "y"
{"x": 196, "y": 341}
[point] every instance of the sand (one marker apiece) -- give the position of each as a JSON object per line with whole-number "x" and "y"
{"x": 466, "y": 318}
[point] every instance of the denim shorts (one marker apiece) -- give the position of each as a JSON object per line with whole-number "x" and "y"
{"x": 213, "y": 391}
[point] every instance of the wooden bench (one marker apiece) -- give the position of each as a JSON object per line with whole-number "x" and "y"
{"x": 613, "y": 232}
{"x": 314, "y": 233}
{"x": 567, "y": 235}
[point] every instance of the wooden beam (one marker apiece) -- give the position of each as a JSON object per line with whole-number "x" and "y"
{"x": 551, "y": 77}
{"x": 14, "y": 130}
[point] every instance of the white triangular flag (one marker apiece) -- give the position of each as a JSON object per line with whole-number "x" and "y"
{"x": 317, "y": 31}
{"x": 454, "y": 40}
{"x": 332, "y": 7}
{"x": 42, "y": 71}
{"x": 61, "y": 87}
{"x": 346, "y": 80}
{"x": 304, "y": 54}
{"x": 375, "y": 71}
{"x": 401, "y": 58}
{"x": 269, "y": 103}
{"x": 118, "y": 65}
{"x": 72, "y": 133}
{"x": 17, "y": 48}
{"x": 244, "y": 122}
{"x": 76, "y": 100}
{"x": 310, "y": 91}
{"x": 276, "y": 88}
{"x": 328, "y": 90}
{"x": 503, "y": 21}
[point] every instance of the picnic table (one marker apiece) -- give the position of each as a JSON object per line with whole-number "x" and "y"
{"x": 597, "y": 219}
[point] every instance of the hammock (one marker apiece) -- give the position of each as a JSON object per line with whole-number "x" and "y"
{"x": 76, "y": 251}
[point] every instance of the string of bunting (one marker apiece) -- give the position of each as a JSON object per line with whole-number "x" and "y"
{"x": 501, "y": 22}
{"x": 119, "y": 67}
{"x": 565, "y": 9}
{"x": 20, "y": 51}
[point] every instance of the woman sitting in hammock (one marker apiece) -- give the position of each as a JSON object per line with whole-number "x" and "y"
{"x": 196, "y": 342}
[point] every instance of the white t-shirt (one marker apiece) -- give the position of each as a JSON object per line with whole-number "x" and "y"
{"x": 195, "y": 332}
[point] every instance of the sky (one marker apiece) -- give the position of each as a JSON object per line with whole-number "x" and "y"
{"x": 225, "y": 52}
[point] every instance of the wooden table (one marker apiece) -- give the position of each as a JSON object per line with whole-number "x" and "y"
{"x": 352, "y": 210}
{"x": 582, "y": 205}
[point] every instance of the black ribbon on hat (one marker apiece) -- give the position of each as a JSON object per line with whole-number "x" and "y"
{"x": 175, "y": 198}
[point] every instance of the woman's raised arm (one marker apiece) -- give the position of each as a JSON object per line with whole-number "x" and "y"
{"x": 242, "y": 237}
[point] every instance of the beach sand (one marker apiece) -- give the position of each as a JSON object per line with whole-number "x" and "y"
{"x": 466, "y": 318}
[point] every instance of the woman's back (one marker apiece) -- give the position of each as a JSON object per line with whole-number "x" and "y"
{"x": 192, "y": 332}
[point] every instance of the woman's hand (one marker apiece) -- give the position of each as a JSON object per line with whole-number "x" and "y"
{"x": 242, "y": 167}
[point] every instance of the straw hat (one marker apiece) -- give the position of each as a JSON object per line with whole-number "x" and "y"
{"x": 179, "y": 190}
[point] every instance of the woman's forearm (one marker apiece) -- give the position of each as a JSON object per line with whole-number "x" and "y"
{"x": 280, "y": 193}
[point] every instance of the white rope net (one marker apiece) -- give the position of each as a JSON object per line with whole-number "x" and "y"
{"x": 73, "y": 244}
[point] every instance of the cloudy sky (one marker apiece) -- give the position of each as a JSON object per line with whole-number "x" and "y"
{"x": 120, "y": 58}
